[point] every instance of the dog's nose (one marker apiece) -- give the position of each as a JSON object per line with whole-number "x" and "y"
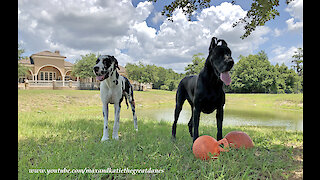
{"x": 230, "y": 63}
{"x": 96, "y": 69}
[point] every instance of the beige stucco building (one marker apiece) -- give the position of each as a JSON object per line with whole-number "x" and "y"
{"x": 48, "y": 66}
{"x": 45, "y": 67}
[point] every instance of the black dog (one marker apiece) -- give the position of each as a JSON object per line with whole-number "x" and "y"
{"x": 204, "y": 92}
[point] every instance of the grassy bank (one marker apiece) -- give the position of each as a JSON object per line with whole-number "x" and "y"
{"x": 62, "y": 129}
{"x": 51, "y": 100}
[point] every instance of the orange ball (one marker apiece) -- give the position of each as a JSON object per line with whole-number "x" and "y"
{"x": 238, "y": 139}
{"x": 204, "y": 145}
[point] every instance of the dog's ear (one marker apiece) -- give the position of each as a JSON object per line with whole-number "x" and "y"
{"x": 213, "y": 43}
{"x": 223, "y": 43}
{"x": 115, "y": 63}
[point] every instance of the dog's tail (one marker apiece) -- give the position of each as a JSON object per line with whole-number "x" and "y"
{"x": 128, "y": 92}
{"x": 126, "y": 100}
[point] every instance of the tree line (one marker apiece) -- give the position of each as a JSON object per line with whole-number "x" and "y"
{"x": 255, "y": 74}
{"x": 161, "y": 78}
{"x": 251, "y": 74}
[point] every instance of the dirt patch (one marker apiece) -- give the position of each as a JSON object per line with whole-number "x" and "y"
{"x": 298, "y": 160}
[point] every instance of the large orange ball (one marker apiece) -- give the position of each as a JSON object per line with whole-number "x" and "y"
{"x": 239, "y": 139}
{"x": 204, "y": 145}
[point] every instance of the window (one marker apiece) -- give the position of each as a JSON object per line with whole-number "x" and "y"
{"x": 67, "y": 78}
{"x": 47, "y": 76}
{"x": 50, "y": 76}
{"x": 41, "y": 76}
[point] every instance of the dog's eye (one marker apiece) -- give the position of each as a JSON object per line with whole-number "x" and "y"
{"x": 106, "y": 63}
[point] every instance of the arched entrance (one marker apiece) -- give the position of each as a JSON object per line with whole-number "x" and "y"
{"x": 49, "y": 73}
{"x": 29, "y": 75}
{"x": 68, "y": 76}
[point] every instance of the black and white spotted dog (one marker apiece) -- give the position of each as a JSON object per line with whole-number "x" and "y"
{"x": 113, "y": 88}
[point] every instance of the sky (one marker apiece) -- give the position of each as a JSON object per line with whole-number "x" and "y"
{"x": 135, "y": 30}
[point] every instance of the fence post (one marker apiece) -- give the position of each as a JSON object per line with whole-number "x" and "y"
{"x": 54, "y": 85}
{"x": 26, "y": 84}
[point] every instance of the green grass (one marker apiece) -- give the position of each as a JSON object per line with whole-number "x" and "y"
{"x": 264, "y": 102}
{"x": 62, "y": 129}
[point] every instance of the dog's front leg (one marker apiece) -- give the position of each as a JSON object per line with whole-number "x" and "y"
{"x": 105, "y": 136}
{"x": 116, "y": 121}
{"x": 219, "y": 117}
{"x": 196, "y": 119}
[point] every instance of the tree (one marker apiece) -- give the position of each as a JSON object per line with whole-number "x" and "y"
{"x": 253, "y": 74}
{"x": 142, "y": 73}
{"x": 160, "y": 77}
{"x": 20, "y": 52}
{"x": 298, "y": 61}
{"x": 168, "y": 79}
{"x": 134, "y": 72}
{"x": 22, "y": 70}
{"x": 287, "y": 80}
{"x": 83, "y": 67}
{"x": 197, "y": 64}
{"x": 261, "y": 11}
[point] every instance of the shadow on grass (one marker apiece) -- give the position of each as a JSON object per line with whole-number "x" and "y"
{"x": 76, "y": 145}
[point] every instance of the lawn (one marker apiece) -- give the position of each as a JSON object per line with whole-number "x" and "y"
{"x": 61, "y": 130}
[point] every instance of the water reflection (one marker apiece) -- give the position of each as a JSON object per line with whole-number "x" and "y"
{"x": 286, "y": 120}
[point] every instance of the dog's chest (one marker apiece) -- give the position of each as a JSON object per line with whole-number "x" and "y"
{"x": 208, "y": 106}
{"x": 209, "y": 103}
{"x": 111, "y": 94}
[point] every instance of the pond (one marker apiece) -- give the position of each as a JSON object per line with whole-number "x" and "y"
{"x": 288, "y": 120}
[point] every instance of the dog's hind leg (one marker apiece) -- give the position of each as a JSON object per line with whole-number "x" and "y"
{"x": 176, "y": 117}
{"x": 135, "y": 121}
{"x": 190, "y": 124}
{"x": 180, "y": 98}
{"x": 128, "y": 93}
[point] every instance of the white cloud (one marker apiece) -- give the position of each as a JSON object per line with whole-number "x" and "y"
{"x": 175, "y": 42}
{"x": 108, "y": 27}
{"x": 143, "y": 10}
{"x": 158, "y": 17}
{"x": 277, "y": 32}
{"x": 294, "y": 26}
{"x": 283, "y": 55}
{"x": 80, "y": 25}
{"x": 295, "y": 9}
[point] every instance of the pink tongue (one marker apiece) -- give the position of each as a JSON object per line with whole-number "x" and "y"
{"x": 100, "y": 77}
{"x": 225, "y": 77}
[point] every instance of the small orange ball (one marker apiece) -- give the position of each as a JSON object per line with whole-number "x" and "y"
{"x": 204, "y": 145}
{"x": 238, "y": 139}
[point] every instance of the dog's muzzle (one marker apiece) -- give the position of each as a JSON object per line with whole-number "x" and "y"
{"x": 230, "y": 64}
{"x": 102, "y": 75}
{"x": 225, "y": 76}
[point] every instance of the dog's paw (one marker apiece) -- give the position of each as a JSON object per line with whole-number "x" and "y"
{"x": 104, "y": 139}
{"x": 173, "y": 138}
{"x": 115, "y": 137}
{"x": 136, "y": 129}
